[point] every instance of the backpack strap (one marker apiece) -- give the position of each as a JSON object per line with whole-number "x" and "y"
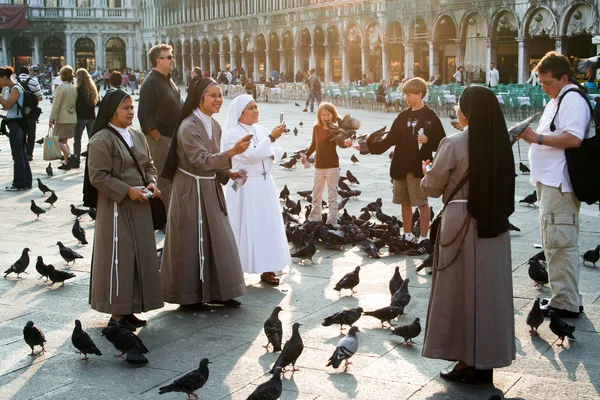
{"x": 560, "y": 99}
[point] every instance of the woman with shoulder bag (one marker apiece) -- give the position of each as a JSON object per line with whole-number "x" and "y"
{"x": 63, "y": 117}
{"x": 470, "y": 317}
{"x": 125, "y": 277}
{"x": 87, "y": 98}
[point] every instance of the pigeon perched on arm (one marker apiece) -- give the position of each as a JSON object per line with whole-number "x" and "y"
{"x": 346, "y": 317}
{"x": 36, "y": 210}
{"x": 560, "y": 328}
{"x": 409, "y": 331}
{"x": 43, "y": 188}
{"x": 346, "y": 348}
{"x": 396, "y": 281}
{"x": 537, "y": 272}
{"x": 274, "y": 330}
{"x": 20, "y": 265}
{"x": 58, "y": 275}
{"x": 83, "y": 342}
{"x": 535, "y": 317}
{"x": 385, "y": 314}
{"x": 41, "y": 268}
{"x": 269, "y": 390}
{"x": 291, "y": 351}
{"x": 78, "y": 232}
{"x": 67, "y": 254}
{"x": 592, "y": 256}
{"x": 34, "y": 337}
{"x": 126, "y": 342}
{"x": 348, "y": 281}
{"x": 190, "y": 382}
{"x": 52, "y": 199}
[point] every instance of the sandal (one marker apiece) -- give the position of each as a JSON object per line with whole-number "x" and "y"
{"x": 269, "y": 278}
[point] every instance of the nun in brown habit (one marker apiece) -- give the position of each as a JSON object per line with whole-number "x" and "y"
{"x": 124, "y": 274}
{"x": 200, "y": 261}
{"x": 471, "y": 316}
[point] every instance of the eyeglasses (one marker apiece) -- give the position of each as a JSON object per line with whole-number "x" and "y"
{"x": 169, "y": 57}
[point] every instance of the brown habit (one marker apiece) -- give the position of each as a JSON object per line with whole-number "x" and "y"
{"x": 135, "y": 281}
{"x": 180, "y": 269}
{"x": 471, "y": 315}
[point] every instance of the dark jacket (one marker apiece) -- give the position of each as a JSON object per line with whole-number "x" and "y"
{"x": 84, "y": 109}
{"x": 160, "y": 104}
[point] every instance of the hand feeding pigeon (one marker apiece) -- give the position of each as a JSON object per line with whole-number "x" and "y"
{"x": 291, "y": 351}
{"x": 537, "y": 273}
{"x": 49, "y": 171}
{"x": 401, "y": 298}
{"x": 43, "y": 188}
{"x": 523, "y": 168}
{"x": 306, "y": 253}
{"x": 535, "y": 317}
{"x": 83, "y": 342}
{"x": 36, "y": 210}
{"x": 348, "y": 281}
{"x": 269, "y": 390}
{"x": 190, "y": 382}
{"x": 346, "y": 348}
{"x": 385, "y": 314}
{"x": 41, "y": 268}
{"x": 592, "y": 256}
{"x": 20, "y": 265}
{"x": 58, "y": 275}
{"x": 409, "y": 331}
{"x": 77, "y": 212}
{"x": 52, "y": 199}
{"x": 530, "y": 199}
{"x": 34, "y": 337}
{"x": 274, "y": 330}
{"x": 396, "y": 281}
{"x": 78, "y": 232}
{"x": 67, "y": 254}
{"x": 346, "y": 317}
{"x": 560, "y": 328}
{"x": 125, "y": 341}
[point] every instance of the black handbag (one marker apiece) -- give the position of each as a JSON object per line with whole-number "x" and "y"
{"x": 437, "y": 221}
{"x": 159, "y": 213}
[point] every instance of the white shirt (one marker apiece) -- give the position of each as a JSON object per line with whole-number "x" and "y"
{"x": 125, "y": 133}
{"x": 549, "y": 164}
{"x": 533, "y": 78}
{"x": 458, "y": 76}
{"x": 228, "y": 76}
{"x": 206, "y": 120}
{"x": 493, "y": 78}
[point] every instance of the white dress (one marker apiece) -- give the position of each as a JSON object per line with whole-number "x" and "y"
{"x": 254, "y": 210}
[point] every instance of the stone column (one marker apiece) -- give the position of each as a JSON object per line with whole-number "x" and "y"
{"x": 245, "y": 62}
{"x": 521, "y": 63}
{"x": 129, "y": 56}
{"x": 296, "y": 61}
{"x": 232, "y": 59}
{"x": 409, "y": 60}
{"x": 558, "y": 45}
{"x": 363, "y": 59}
{"x": 385, "y": 63}
{"x": 283, "y": 68}
{"x": 432, "y": 65}
{"x": 312, "y": 61}
{"x": 222, "y": 60}
{"x": 345, "y": 75}
{"x": 69, "y": 60}
{"x": 35, "y": 59}
{"x": 328, "y": 71}
{"x": 4, "y": 52}
{"x": 212, "y": 63}
{"x": 256, "y": 74}
{"x": 268, "y": 67}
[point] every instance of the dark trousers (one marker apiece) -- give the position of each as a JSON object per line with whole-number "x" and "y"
{"x": 88, "y": 125}
{"x": 311, "y": 98}
{"x": 106, "y": 84}
{"x": 31, "y": 137}
{"x": 21, "y": 171}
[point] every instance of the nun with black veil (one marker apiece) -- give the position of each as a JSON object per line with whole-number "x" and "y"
{"x": 471, "y": 317}
{"x": 124, "y": 272}
{"x": 200, "y": 261}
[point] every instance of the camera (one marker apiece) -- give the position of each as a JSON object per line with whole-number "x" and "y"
{"x": 147, "y": 193}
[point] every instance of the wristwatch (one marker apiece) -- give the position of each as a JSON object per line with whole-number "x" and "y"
{"x": 272, "y": 139}
{"x": 540, "y": 139}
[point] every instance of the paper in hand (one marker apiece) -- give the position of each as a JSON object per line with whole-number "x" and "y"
{"x": 239, "y": 181}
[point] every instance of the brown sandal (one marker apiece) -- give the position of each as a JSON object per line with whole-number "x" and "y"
{"x": 269, "y": 278}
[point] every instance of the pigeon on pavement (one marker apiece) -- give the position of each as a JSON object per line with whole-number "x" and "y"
{"x": 41, "y": 268}
{"x": 346, "y": 317}
{"x": 351, "y": 177}
{"x": 385, "y": 314}
{"x": 427, "y": 263}
{"x": 58, "y": 275}
{"x": 125, "y": 341}
{"x": 274, "y": 330}
{"x": 269, "y": 390}
{"x": 77, "y": 212}
{"x": 43, "y": 188}
{"x": 345, "y": 349}
{"x": 560, "y": 328}
{"x": 291, "y": 351}
{"x": 285, "y": 192}
{"x": 78, "y": 232}
{"x": 530, "y": 199}
{"x": 409, "y": 331}
{"x": 67, "y": 254}
{"x": 513, "y": 228}
{"x": 36, "y": 210}
{"x": 348, "y": 281}
{"x": 401, "y": 298}
{"x": 535, "y": 318}
{"x": 52, "y": 199}
{"x": 34, "y": 337}
{"x": 190, "y": 382}
{"x": 83, "y": 342}
{"x": 396, "y": 281}
{"x": 354, "y": 159}
{"x": 306, "y": 253}
{"x": 49, "y": 171}
{"x": 523, "y": 168}
{"x": 537, "y": 272}
{"x": 20, "y": 265}
{"x": 592, "y": 256}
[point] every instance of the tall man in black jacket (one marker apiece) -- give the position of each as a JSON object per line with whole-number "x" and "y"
{"x": 160, "y": 106}
{"x": 416, "y": 133}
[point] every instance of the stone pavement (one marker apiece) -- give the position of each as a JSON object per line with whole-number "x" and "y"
{"x": 232, "y": 338}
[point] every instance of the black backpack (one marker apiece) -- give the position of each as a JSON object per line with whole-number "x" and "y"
{"x": 583, "y": 163}
{"x": 30, "y": 109}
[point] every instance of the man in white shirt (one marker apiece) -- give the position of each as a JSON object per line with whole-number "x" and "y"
{"x": 493, "y": 76}
{"x": 559, "y": 208}
{"x": 228, "y": 76}
{"x": 533, "y": 78}
{"x": 458, "y": 75}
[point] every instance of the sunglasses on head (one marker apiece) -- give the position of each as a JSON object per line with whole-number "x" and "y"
{"x": 169, "y": 57}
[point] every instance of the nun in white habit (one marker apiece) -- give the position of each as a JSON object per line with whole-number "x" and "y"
{"x": 254, "y": 211}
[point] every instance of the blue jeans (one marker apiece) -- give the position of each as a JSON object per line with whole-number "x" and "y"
{"x": 87, "y": 124}
{"x": 31, "y": 137}
{"x": 21, "y": 171}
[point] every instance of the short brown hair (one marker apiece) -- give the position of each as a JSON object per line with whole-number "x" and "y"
{"x": 414, "y": 86}
{"x": 115, "y": 79}
{"x": 329, "y": 107}
{"x": 155, "y": 51}
{"x": 6, "y": 72}
{"x": 556, "y": 63}
{"x": 67, "y": 73}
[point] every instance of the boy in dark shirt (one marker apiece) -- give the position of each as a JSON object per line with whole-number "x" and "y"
{"x": 416, "y": 133}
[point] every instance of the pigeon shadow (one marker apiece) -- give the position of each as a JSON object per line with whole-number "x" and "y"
{"x": 543, "y": 347}
{"x": 290, "y": 386}
{"x": 345, "y": 383}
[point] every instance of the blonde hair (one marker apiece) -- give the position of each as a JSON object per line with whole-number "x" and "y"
{"x": 329, "y": 107}
{"x": 90, "y": 91}
{"x": 66, "y": 73}
{"x": 414, "y": 86}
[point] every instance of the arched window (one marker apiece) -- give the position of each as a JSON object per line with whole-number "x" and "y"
{"x": 84, "y": 3}
{"x": 52, "y": 3}
{"x": 19, "y": 1}
{"x": 114, "y": 3}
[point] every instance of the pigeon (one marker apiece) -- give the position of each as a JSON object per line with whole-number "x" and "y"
{"x": 385, "y": 314}
{"x": 58, "y": 275}
{"x": 539, "y": 256}
{"x": 384, "y": 218}
{"x": 36, "y": 210}
{"x": 49, "y": 171}
{"x": 306, "y": 253}
{"x": 41, "y": 268}
{"x": 513, "y": 228}
{"x": 523, "y": 168}
{"x": 274, "y": 330}
{"x": 530, "y": 199}
{"x": 284, "y": 156}
{"x": 354, "y": 159}
{"x": 582, "y": 65}
{"x": 285, "y": 192}
{"x": 346, "y": 317}
{"x": 409, "y": 331}
{"x": 535, "y": 318}
{"x": 34, "y": 337}
{"x": 401, "y": 298}
{"x": 190, "y": 382}
{"x": 560, "y": 328}
{"x": 67, "y": 254}
{"x": 373, "y": 206}
{"x": 92, "y": 213}
{"x": 296, "y": 104}
{"x": 269, "y": 390}
{"x": 296, "y": 209}
{"x": 352, "y": 178}
{"x": 592, "y": 256}
{"x": 345, "y": 349}
{"x": 289, "y": 203}
{"x": 365, "y": 216}
{"x": 78, "y": 232}
{"x": 52, "y": 199}
{"x": 20, "y": 265}
{"x": 83, "y": 342}
{"x": 348, "y": 281}
{"x": 77, "y": 212}
{"x": 308, "y": 211}
{"x": 288, "y": 165}
{"x": 43, "y": 188}
{"x": 343, "y": 185}
{"x": 41, "y": 141}
{"x": 396, "y": 281}
{"x": 427, "y": 263}
{"x": 300, "y": 123}
{"x": 126, "y": 342}
{"x": 291, "y": 351}
{"x": 304, "y": 193}
{"x": 295, "y": 131}
{"x": 537, "y": 273}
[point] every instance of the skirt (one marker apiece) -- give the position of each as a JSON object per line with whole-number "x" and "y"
{"x": 64, "y": 131}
